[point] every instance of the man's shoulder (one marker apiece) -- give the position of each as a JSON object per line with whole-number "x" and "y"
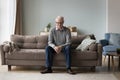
{"x": 66, "y": 28}
{"x": 52, "y": 29}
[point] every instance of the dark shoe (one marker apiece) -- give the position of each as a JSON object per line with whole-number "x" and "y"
{"x": 47, "y": 71}
{"x": 70, "y": 71}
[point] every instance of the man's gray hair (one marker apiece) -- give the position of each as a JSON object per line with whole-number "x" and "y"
{"x": 60, "y": 17}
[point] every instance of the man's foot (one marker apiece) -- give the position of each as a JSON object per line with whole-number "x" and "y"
{"x": 47, "y": 71}
{"x": 70, "y": 71}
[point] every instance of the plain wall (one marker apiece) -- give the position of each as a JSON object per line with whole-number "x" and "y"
{"x": 113, "y": 16}
{"x": 89, "y": 16}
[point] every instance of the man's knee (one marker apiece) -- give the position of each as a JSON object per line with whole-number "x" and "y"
{"x": 48, "y": 47}
{"x": 67, "y": 47}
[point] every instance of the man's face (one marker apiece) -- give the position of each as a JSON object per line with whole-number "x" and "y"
{"x": 59, "y": 23}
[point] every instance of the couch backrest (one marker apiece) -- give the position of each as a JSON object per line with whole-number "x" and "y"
{"x": 30, "y": 41}
{"x": 76, "y": 40}
{"x": 40, "y": 42}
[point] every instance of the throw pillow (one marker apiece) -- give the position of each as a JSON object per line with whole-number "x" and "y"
{"x": 85, "y": 43}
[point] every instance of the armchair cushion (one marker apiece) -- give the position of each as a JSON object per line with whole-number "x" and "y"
{"x": 110, "y": 48}
{"x": 115, "y": 39}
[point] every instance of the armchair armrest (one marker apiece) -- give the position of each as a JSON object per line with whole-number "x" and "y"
{"x": 104, "y": 42}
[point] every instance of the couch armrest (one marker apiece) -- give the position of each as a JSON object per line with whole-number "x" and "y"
{"x": 6, "y": 48}
{"x": 104, "y": 42}
{"x": 92, "y": 47}
{"x": 99, "y": 51}
{"x": 2, "y": 54}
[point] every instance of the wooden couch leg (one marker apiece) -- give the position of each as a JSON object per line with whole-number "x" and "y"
{"x": 9, "y": 67}
{"x": 93, "y": 68}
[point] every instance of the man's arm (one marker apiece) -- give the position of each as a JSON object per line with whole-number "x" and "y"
{"x": 50, "y": 39}
{"x": 51, "y": 42}
{"x": 68, "y": 38}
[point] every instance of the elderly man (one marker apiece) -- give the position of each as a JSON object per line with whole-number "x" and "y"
{"x": 59, "y": 41}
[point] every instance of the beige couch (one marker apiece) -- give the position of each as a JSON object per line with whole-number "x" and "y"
{"x": 32, "y": 52}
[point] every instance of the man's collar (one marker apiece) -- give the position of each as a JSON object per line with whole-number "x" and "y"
{"x": 60, "y": 29}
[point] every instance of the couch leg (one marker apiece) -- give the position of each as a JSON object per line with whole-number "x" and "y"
{"x": 9, "y": 67}
{"x": 93, "y": 68}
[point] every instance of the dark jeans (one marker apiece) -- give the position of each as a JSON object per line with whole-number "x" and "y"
{"x": 50, "y": 52}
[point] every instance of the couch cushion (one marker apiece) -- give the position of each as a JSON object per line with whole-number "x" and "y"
{"x": 27, "y": 54}
{"x": 42, "y": 41}
{"x": 39, "y": 54}
{"x": 30, "y": 41}
{"x": 32, "y": 54}
{"x": 84, "y": 55}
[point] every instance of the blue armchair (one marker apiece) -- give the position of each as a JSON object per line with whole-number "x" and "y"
{"x": 110, "y": 43}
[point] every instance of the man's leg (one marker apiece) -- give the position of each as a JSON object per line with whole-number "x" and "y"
{"x": 67, "y": 53}
{"x": 66, "y": 50}
{"x": 49, "y": 59}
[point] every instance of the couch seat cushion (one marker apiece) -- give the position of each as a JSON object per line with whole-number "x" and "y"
{"x": 32, "y": 54}
{"x": 24, "y": 54}
{"x": 84, "y": 55}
